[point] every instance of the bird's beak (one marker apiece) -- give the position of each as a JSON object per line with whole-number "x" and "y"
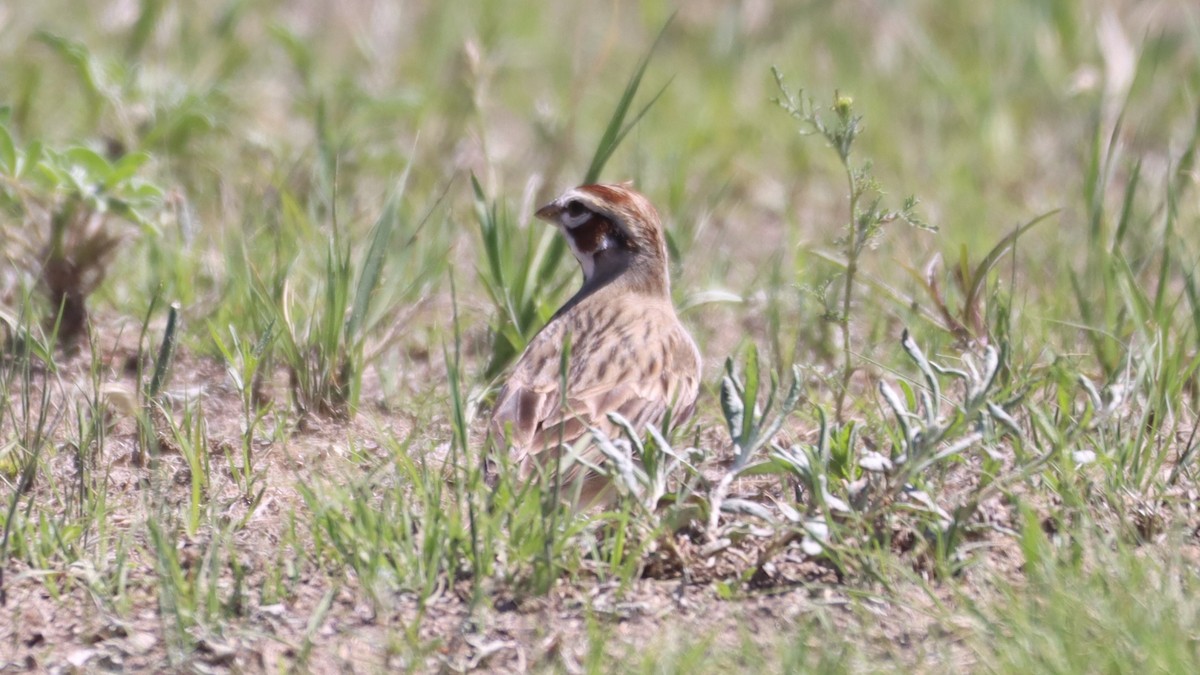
{"x": 549, "y": 213}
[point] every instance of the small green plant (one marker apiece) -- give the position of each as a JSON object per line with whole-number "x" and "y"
{"x": 243, "y": 363}
{"x": 647, "y": 470}
{"x": 190, "y": 437}
{"x": 69, "y": 205}
{"x": 752, "y": 426}
{"x": 661, "y": 490}
{"x": 866, "y": 215}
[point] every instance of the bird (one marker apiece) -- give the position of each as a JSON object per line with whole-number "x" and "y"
{"x": 628, "y": 351}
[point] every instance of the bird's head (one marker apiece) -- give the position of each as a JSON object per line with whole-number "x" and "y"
{"x": 614, "y": 231}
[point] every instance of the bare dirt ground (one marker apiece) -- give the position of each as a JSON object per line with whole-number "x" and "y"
{"x": 330, "y": 623}
{"x": 335, "y": 627}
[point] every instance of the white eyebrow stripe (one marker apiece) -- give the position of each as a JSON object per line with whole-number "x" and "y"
{"x": 575, "y": 221}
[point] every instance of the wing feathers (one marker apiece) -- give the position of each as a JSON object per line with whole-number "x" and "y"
{"x": 641, "y": 365}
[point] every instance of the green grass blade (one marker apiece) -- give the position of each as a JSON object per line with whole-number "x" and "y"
{"x": 998, "y": 251}
{"x": 165, "y": 351}
{"x": 1127, "y": 204}
{"x": 750, "y": 398}
{"x": 616, "y": 130}
{"x": 373, "y": 263}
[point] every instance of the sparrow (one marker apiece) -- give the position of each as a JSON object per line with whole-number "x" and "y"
{"x": 628, "y": 351}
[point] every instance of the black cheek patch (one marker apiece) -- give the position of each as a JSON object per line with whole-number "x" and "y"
{"x": 590, "y": 236}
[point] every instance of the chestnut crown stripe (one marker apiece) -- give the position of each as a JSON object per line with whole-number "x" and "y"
{"x": 628, "y": 214}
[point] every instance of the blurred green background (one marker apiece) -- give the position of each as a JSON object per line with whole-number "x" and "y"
{"x": 987, "y": 112}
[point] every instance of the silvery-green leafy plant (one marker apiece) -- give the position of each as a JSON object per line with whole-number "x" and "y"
{"x": 751, "y": 427}
{"x": 659, "y": 469}
{"x": 846, "y": 490}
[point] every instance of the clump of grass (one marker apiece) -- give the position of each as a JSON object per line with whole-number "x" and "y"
{"x": 200, "y": 586}
{"x": 523, "y": 275}
{"x": 326, "y": 347}
{"x": 146, "y": 401}
{"x": 27, "y": 387}
{"x": 416, "y": 523}
{"x": 66, "y": 517}
{"x": 1116, "y": 611}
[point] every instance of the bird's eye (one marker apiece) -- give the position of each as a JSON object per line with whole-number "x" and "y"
{"x": 575, "y": 209}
